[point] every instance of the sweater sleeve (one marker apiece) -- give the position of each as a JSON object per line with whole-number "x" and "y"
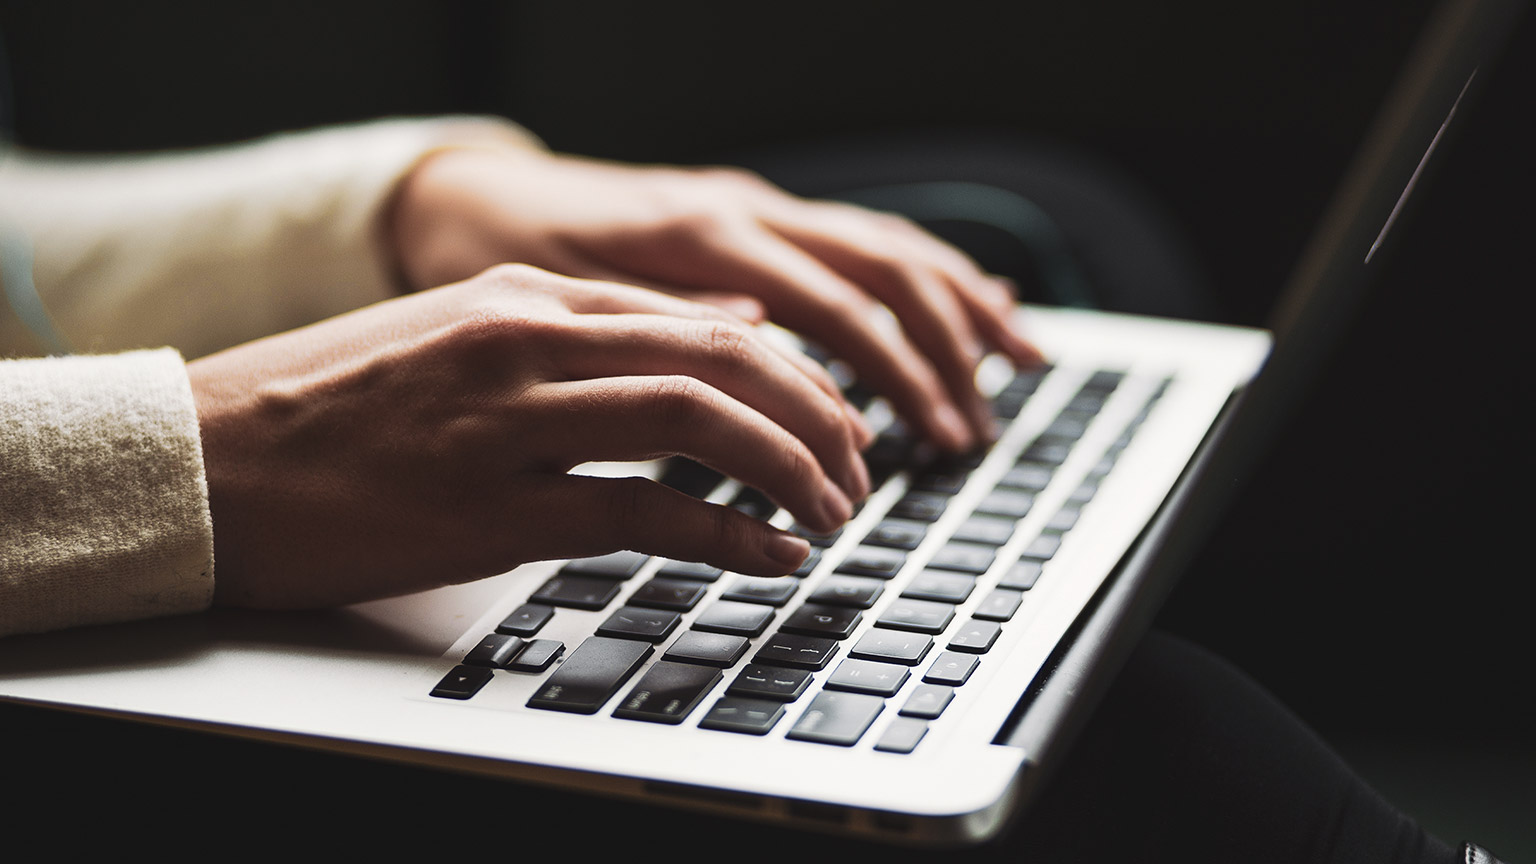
{"x": 204, "y": 249}
{"x": 103, "y": 501}
{"x": 104, "y": 510}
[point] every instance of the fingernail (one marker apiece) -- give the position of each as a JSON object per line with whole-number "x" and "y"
{"x": 860, "y": 478}
{"x": 953, "y": 426}
{"x": 986, "y": 426}
{"x": 786, "y": 550}
{"x": 835, "y": 506}
{"x": 860, "y": 426}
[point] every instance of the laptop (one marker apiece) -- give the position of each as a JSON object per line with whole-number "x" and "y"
{"x": 918, "y": 680}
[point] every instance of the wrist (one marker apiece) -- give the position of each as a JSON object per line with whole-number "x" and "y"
{"x": 447, "y": 219}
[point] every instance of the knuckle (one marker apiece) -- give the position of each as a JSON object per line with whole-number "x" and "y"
{"x": 512, "y": 275}
{"x": 724, "y": 343}
{"x": 493, "y": 329}
{"x": 729, "y": 529}
{"x": 702, "y": 225}
{"x": 628, "y": 503}
{"x": 799, "y": 464}
{"x": 851, "y": 307}
{"x": 736, "y": 176}
{"x": 678, "y": 401}
{"x": 891, "y": 221}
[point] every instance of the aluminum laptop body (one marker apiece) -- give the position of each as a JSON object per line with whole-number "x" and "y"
{"x": 1177, "y": 409}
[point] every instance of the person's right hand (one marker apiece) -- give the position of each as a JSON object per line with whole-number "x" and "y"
{"x": 426, "y": 440}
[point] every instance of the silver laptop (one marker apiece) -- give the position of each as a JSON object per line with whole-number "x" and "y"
{"x": 916, "y": 680}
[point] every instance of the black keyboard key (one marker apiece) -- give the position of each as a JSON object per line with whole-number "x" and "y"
{"x": 695, "y": 570}
{"x": 855, "y": 591}
{"x": 897, "y": 534}
{"x": 1083, "y": 493}
{"x": 495, "y": 650}
{"x": 679, "y": 595}
{"x": 1064, "y": 520}
{"x": 818, "y": 540}
{"x": 690, "y": 478}
{"x": 1051, "y": 451}
{"x": 1008, "y": 503}
{"x": 1087, "y": 402}
{"x": 537, "y": 655}
{"x": 837, "y": 718}
{"x": 734, "y": 618}
{"x": 1104, "y": 380}
{"x": 868, "y": 676}
{"x": 747, "y": 716}
{"x": 526, "y": 620}
{"x": 633, "y": 622}
{"x": 1021, "y": 576}
{"x": 577, "y": 592}
{"x": 1028, "y": 476}
{"x": 800, "y": 652}
{"x": 976, "y": 637}
{"x": 891, "y": 646}
{"x": 963, "y": 557}
{"x": 769, "y": 590}
{"x": 988, "y": 530}
{"x": 940, "y": 586}
{"x": 462, "y": 683}
{"x": 1012, "y": 398}
{"x": 1068, "y": 425}
{"x": 920, "y": 506}
{"x": 615, "y": 565}
{"x": 951, "y": 669}
{"x": 668, "y": 692}
{"x": 902, "y": 736}
{"x": 815, "y": 619}
{"x": 888, "y": 454}
{"x": 591, "y": 675}
{"x": 707, "y": 649}
{"x": 999, "y": 605}
{"x": 1105, "y": 465}
{"x": 919, "y": 616}
{"x": 812, "y": 558}
{"x": 754, "y": 503}
{"x": 1042, "y": 548}
{"x": 875, "y": 561}
{"x": 927, "y": 701}
{"x": 1008, "y": 405}
{"x": 944, "y": 482}
{"x": 761, "y": 681}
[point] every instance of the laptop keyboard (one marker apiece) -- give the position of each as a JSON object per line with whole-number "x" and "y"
{"x": 898, "y": 618}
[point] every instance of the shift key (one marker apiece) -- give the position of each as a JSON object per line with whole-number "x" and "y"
{"x": 591, "y": 675}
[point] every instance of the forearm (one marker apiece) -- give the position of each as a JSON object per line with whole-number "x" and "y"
{"x": 205, "y": 249}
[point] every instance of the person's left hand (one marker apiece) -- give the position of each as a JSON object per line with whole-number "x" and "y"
{"x": 723, "y": 235}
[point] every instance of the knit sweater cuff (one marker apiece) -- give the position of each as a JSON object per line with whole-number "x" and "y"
{"x": 103, "y": 499}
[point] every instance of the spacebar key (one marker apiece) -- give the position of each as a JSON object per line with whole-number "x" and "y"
{"x": 591, "y": 675}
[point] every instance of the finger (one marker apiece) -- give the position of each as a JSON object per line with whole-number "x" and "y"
{"x": 592, "y": 297}
{"x": 802, "y": 293}
{"x": 988, "y": 302}
{"x": 730, "y": 358}
{"x": 924, "y": 302}
{"x": 743, "y": 306}
{"x": 585, "y": 516}
{"x": 631, "y": 419}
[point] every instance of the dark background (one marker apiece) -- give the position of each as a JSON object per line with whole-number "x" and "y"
{"x": 1372, "y": 573}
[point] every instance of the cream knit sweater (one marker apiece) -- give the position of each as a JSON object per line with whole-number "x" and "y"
{"x": 138, "y": 262}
